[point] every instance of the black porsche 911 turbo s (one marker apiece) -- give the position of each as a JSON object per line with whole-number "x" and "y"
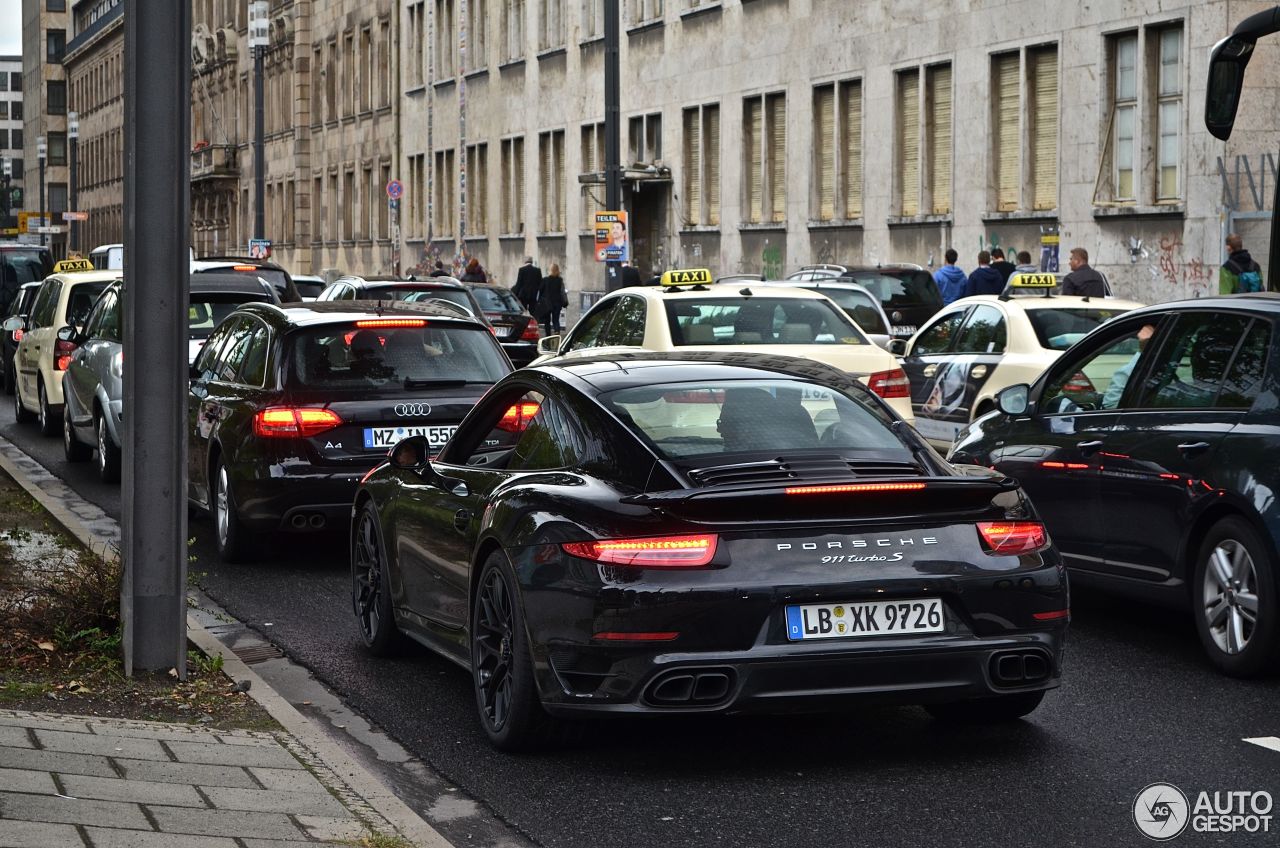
{"x": 705, "y": 532}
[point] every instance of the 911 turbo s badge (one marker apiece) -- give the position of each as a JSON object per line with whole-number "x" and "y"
{"x": 840, "y": 545}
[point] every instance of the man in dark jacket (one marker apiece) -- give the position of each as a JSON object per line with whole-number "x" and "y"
{"x": 984, "y": 279}
{"x": 1240, "y": 274}
{"x": 631, "y": 275}
{"x": 528, "y": 282}
{"x": 1083, "y": 280}
{"x": 1002, "y": 266}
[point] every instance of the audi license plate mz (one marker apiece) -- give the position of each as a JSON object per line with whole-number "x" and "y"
{"x": 872, "y": 618}
{"x": 385, "y": 437}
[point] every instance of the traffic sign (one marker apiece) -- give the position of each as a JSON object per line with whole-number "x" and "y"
{"x": 75, "y": 216}
{"x": 395, "y": 189}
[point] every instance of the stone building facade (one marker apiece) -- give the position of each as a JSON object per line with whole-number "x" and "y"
{"x": 11, "y": 143}
{"x": 45, "y": 28}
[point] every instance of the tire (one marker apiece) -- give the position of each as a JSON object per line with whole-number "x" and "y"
{"x": 370, "y": 587}
{"x": 20, "y": 413}
{"x": 72, "y": 449}
{"x": 1234, "y": 572}
{"x": 50, "y": 422}
{"x": 233, "y": 540}
{"x": 108, "y": 451}
{"x": 993, "y": 710}
{"x": 10, "y": 377}
{"x": 507, "y": 702}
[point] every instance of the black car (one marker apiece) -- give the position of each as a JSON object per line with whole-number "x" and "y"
{"x": 21, "y": 263}
{"x": 907, "y": 293}
{"x": 289, "y": 407}
{"x": 1149, "y": 448}
{"x": 403, "y": 289}
{"x": 705, "y": 532}
{"x": 516, "y": 329}
{"x": 268, "y": 271}
{"x": 20, "y": 306}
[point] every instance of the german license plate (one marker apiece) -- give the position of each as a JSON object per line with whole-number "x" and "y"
{"x": 870, "y": 618}
{"x": 385, "y": 437}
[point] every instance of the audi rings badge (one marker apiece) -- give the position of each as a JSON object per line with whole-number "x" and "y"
{"x": 413, "y": 410}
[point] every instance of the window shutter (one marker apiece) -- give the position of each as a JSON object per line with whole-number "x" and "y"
{"x": 940, "y": 146}
{"x": 851, "y": 113}
{"x": 518, "y": 163}
{"x": 559, "y": 180}
{"x": 692, "y": 167}
{"x": 1044, "y": 128}
{"x": 755, "y": 174}
{"x": 909, "y": 142}
{"x": 1006, "y": 122}
{"x": 824, "y": 104}
{"x": 544, "y": 142}
{"x": 711, "y": 162}
{"x": 778, "y": 157}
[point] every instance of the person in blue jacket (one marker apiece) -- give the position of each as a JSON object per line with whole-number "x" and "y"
{"x": 950, "y": 279}
{"x": 984, "y": 279}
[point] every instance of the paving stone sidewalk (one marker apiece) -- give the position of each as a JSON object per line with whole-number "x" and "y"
{"x": 111, "y": 783}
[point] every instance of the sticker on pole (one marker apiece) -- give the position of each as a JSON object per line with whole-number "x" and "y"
{"x": 259, "y": 248}
{"x": 612, "y": 244}
{"x": 395, "y": 190}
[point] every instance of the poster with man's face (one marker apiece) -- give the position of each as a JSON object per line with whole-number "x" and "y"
{"x": 612, "y": 239}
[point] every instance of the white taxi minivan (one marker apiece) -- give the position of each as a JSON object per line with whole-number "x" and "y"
{"x": 64, "y": 299}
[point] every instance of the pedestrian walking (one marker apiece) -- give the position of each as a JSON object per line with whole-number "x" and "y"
{"x": 984, "y": 279}
{"x": 1083, "y": 280}
{"x": 528, "y": 282}
{"x": 474, "y": 273}
{"x": 631, "y": 275}
{"x": 552, "y": 297}
{"x": 1240, "y": 274}
{"x": 1002, "y": 266}
{"x": 439, "y": 270}
{"x": 950, "y": 278}
{"x": 1024, "y": 265}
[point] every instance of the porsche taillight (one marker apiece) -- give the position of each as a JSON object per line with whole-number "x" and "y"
{"x": 648, "y": 552}
{"x": 1011, "y": 538}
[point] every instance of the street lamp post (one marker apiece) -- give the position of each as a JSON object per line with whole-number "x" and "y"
{"x": 73, "y": 138}
{"x": 42, "y": 150}
{"x": 612, "y": 128}
{"x": 6, "y": 199}
{"x": 258, "y": 40}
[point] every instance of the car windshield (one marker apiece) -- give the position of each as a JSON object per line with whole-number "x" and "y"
{"x": 703, "y": 418}
{"x": 1059, "y": 329}
{"x": 900, "y": 290}
{"x": 496, "y": 300}
{"x": 347, "y": 357}
{"x": 758, "y": 320}
{"x": 20, "y": 266}
{"x": 81, "y": 301}
{"x": 206, "y": 311}
{"x": 859, "y": 306}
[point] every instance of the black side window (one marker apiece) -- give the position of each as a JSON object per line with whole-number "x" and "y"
{"x": 937, "y": 338}
{"x": 1244, "y": 378}
{"x": 110, "y": 328}
{"x": 93, "y": 323}
{"x": 207, "y": 359}
{"x": 627, "y": 327}
{"x": 984, "y": 332}
{"x": 237, "y": 349}
{"x": 1191, "y": 366}
{"x": 254, "y": 370}
{"x": 46, "y": 302}
{"x": 589, "y": 330}
{"x": 549, "y": 441}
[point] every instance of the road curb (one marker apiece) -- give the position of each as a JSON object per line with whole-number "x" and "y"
{"x": 42, "y": 485}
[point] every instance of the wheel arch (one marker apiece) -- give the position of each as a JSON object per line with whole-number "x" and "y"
{"x": 1205, "y": 522}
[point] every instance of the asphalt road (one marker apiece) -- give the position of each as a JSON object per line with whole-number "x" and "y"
{"x": 1139, "y": 705}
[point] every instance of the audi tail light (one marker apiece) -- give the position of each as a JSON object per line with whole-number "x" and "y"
{"x": 890, "y": 384}
{"x": 1011, "y": 538}
{"x": 277, "y": 422}
{"x": 650, "y": 552}
{"x": 517, "y": 418}
{"x": 62, "y": 351}
{"x": 531, "y": 333}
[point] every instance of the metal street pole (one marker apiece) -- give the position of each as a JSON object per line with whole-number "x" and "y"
{"x": 157, "y": 230}
{"x": 258, "y": 40}
{"x": 612, "y": 145}
{"x": 73, "y": 139}
{"x": 42, "y": 150}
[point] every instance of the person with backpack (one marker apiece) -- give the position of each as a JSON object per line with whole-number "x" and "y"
{"x": 1240, "y": 274}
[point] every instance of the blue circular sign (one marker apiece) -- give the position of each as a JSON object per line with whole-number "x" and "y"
{"x": 395, "y": 189}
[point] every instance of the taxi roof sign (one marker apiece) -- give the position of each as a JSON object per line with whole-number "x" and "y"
{"x": 687, "y": 277}
{"x": 70, "y": 265}
{"x": 1033, "y": 281}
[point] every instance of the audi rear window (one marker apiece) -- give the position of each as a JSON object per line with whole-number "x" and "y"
{"x": 682, "y": 420}
{"x": 348, "y": 357}
{"x": 1059, "y": 329}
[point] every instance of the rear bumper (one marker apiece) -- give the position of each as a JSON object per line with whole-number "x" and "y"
{"x": 276, "y": 498}
{"x": 521, "y": 353}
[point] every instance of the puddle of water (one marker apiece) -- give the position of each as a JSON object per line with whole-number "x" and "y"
{"x": 28, "y": 547}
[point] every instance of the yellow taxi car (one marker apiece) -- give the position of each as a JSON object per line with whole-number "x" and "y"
{"x": 64, "y": 299}
{"x": 976, "y": 346}
{"x": 689, "y": 312}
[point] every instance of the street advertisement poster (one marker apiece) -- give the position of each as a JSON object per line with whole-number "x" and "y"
{"x": 1049, "y": 248}
{"x": 259, "y": 248}
{"x": 612, "y": 242}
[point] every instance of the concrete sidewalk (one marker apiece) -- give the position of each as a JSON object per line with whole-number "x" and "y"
{"x": 110, "y": 783}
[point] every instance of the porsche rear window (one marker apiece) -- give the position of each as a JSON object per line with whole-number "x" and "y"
{"x": 1059, "y": 329}
{"x": 347, "y": 357}
{"x": 752, "y": 416}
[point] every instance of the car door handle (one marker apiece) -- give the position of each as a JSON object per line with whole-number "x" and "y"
{"x": 461, "y": 519}
{"x": 930, "y": 370}
{"x": 1190, "y": 449}
{"x": 1089, "y": 448}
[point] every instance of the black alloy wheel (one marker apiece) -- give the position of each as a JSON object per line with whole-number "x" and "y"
{"x": 370, "y": 587}
{"x": 108, "y": 451}
{"x": 20, "y": 413}
{"x": 502, "y": 671}
{"x": 1234, "y": 593}
{"x": 991, "y": 710}
{"x": 72, "y": 449}
{"x": 48, "y": 421}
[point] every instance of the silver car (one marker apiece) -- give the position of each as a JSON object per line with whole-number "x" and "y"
{"x": 857, "y": 302}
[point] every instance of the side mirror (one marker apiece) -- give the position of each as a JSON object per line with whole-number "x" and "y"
{"x": 1014, "y": 400}
{"x": 411, "y": 453}
{"x": 14, "y": 323}
{"x": 69, "y": 334}
{"x": 898, "y": 347}
{"x": 1226, "y": 79}
{"x": 549, "y": 344}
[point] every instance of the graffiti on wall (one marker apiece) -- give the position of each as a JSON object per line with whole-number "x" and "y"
{"x": 1173, "y": 267}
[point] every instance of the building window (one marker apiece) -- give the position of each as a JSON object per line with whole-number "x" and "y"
{"x": 837, "y": 151}
{"x": 551, "y": 163}
{"x": 417, "y": 195}
{"x": 446, "y": 40}
{"x": 513, "y": 186}
{"x": 908, "y": 142}
{"x": 417, "y": 28}
{"x": 15, "y": 81}
{"x": 477, "y": 183}
{"x": 4, "y": 81}
{"x": 644, "y": 139}
{"x": 592, "y": 19}
{"x": 764, "y": 135}
{"x": 445, "y": 181}
{"x": 702, "y": 166}
{"x": 366, "y": 69}
{"x": 57, "y": 148}
{"x": 369, "y": 218}
{"x": 317, "y": 83}
{"x": 4, "y": 139}
{"x": 15, "y": 110}
{"x": 348, "y": 205}
{"x": 591, "y": 163}
{"x": 645, "y": 11}
{"x": 924, "y": 147}
{"x": 1042, "y": 111}
{"x": 55, "y": 5}
{"x": 4, "y": 110}
{"x": 1005, "y": 107}
{"x": 1168, "y": 113}
{"x": 55, "y": 45}
{"x": 939, "y": 137}
{"x": 58, "y": 198}
{"x": 551, "y": 24}
{"x": 1125, "y": 110}
{"x": 350, "y": 75}
{"x": 384, "y": 211}
{"x": 331, "y": 211}
{"x": 512, "y": 30}
{"x": 317, "y": 210}
{"x": 477, "y": 35}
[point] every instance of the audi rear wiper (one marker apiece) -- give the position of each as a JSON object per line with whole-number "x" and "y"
{"x": 444, "y": 382}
